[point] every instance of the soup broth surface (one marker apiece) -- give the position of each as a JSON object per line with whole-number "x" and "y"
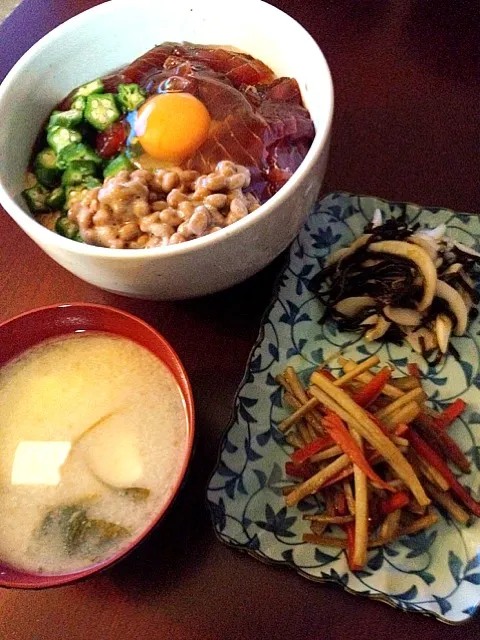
{"x": 93, "y": 433}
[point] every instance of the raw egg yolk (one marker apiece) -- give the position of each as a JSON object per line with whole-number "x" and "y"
{"x": 172, "y": 126}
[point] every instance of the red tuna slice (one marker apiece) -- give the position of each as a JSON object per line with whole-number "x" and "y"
{"x": 220, "y": 98}
{"x": 280, "y": 90}
{"x": 247, "y": 74}
{"x": 284, "y": 159}
{"x": 225, "y": 135}
{"x": 284, "y": 90}
{"x": 240, "y": 68}
{"x": 286, "y": 119}
{"x": 143, "y": 66}
{"x": 230, "y": 139}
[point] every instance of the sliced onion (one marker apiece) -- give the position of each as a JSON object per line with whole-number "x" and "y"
{"x": 403, "y": 316}
{"x": 429, "y": 244}
{"x": 436, "y": 233}
{"x": 377, "y": 219}
{"x": 378, "y": 330}
{"x": 465, "y": 296}
{"x": 340, "y": 254}
{"x": 456, "y": 304}
{"x": 370, "y": 320}
{"x": 351, "y": 306}
{"x": 453, "y": 268}
{"x": 464, "y": 249}
{"x": 443, "y": 329}
{"x": 418, "y": 256}
{"x": 429, "y": 339}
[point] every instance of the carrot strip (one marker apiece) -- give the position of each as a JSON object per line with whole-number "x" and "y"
{"x": 451, "y": 413}
{"x": 350, "y": 550}
{"x": 311, "y": 449}
{"x": 304, "y": 470}
{"x": 370, "y": 392}
{"x": 392, "y": 503}
{"x": 441, "y": 441}
{"x": 339, "y": 432}
{"x": 340, "y": 503}
{"x": 432, "y": 457}
{"x": 413, "y": 370}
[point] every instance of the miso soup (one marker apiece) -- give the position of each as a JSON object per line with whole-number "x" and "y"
{"x": 93, "y": 433}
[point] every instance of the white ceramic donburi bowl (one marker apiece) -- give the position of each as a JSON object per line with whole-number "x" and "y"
{"x": 112, "y": 35}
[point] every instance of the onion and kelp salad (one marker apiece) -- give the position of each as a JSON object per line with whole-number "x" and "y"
{"x": 399, "y": 281}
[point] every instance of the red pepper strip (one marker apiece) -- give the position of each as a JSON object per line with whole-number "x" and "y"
{"x": 381, "y": 426}
{"x": 442, "y": 442}
{"x": 339, "y": 432}
{"x": 350, "y": 529}
{"x": 300, "y": 455}
{"x": 370, "y": 392}
{"x": 413, "y": 370}
{"x": 450, "y": 413}
{"x": 392, "y": 503}
{"x": 328, "y": 374}
{"x": 373, "y": 459}
{"x": 303, "y": 471}
{"x": 400, "y": 429}
{"x": 340, "y": 503}
{"x": 432, "y": 457}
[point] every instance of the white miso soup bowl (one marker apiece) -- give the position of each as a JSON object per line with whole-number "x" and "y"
{"x": 112, "y": 35}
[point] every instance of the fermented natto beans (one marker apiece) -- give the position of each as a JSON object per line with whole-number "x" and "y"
{"x": 213, "y": 182}
{"x": 217, "y": 200}
{"x": 238, "y": 208}
{"x": 200, "y": 221}
{"x": 146, "y": 209}
{"x": 175, "y": 197}
{"x": 170, "y": 180}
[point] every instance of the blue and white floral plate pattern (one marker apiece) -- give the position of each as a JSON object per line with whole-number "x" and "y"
{"x": 435, "y": 572}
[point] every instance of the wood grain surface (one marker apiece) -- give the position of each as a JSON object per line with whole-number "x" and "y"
{"x": 406, "y": 127}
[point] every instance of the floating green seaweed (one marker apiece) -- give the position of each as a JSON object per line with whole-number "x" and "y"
{"x": 77, "y": 530}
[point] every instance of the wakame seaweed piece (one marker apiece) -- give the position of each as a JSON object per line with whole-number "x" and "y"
{"x": 77, "y": 151}
{"x": 101, "y": 110}
{"x": 95, "y": 86}
{"x": 36, "y": 198}
{"x": 69, "y": 521}
{"x": 101, "y": 532}
{"x": 76, "y": 529}
{"x": 130, "y": 97}
{"x": 60, "y": 137}
{"x": 68, "y": 119}
{"x": 135, "y": 493}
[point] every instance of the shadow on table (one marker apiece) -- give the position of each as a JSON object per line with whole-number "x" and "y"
{"x": 444, "y": 36}
{"x": 178, "y": 544}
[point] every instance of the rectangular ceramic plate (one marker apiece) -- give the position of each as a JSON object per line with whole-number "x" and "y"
{"x": 437, "y": 571}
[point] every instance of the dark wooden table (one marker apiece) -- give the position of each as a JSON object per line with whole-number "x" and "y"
{"x": 406, "y": 127}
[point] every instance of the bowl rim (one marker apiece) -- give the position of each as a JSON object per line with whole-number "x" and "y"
{"x": 320, "y": 141}
{"x": 30, "y": 580}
